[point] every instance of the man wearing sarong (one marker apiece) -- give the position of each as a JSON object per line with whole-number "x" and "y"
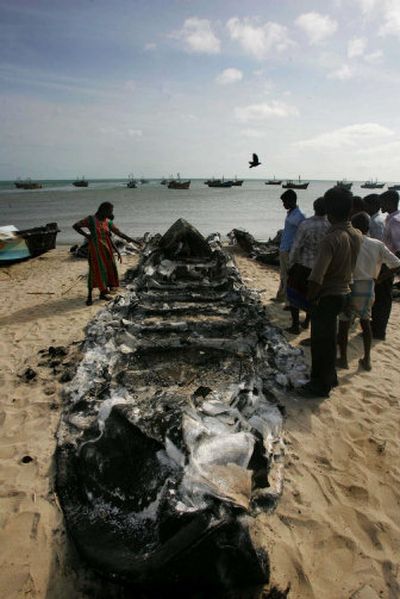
{"x": 294, "y": 217}
{"x": 103, "y": 273}
{"x": 373, "y": 253}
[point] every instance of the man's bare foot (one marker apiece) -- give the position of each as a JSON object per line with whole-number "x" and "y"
{"x": 365, "y": 364}
{"x": 342, "y": 363}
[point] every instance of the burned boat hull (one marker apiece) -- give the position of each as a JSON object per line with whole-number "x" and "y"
{"x": 170, "y": 437}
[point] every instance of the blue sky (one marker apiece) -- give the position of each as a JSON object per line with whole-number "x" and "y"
{"x": 104, "y": 88}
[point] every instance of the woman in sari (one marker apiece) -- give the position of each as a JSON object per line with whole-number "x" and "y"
{"x": 103, "y": 272}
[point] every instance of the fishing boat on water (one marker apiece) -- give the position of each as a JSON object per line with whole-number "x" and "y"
{"x": 27, "y": 184}
{"x": 178, "y": 183}
{"x": 80, "y": 182}
{"x": 237, "y": 182}
{"x": 17, "y": 245}
{"x": 344, "y": 184}
{"x": 372, "y": 184}
{"x": 273, "y": 181}
{"x": 395, "y": 187}
{"x": 218, "y": 183}
{"x": 132, "y": 183}
{"x": 291, "y": 184}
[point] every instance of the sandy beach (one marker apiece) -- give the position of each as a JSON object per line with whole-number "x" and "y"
{"x": 336, "y": 531}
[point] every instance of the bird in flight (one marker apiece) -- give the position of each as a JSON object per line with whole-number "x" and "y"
{"x": 254, "y": 162}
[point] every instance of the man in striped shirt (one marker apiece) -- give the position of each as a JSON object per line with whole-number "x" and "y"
{"x": 301, "y": 260}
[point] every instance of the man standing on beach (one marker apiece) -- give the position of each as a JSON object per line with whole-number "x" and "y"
{"x": 383, "y": 285}
{"x": 301, "y": 260}
{"x": 293, "y": 218}
{"x": 328, "y": 286}
{"x": 383, "y": 289}
{"x": 372, "y": 204}
{"x": 373, "y": 253}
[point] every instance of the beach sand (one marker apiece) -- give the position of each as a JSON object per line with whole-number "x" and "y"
{"x": 336, "y": 531}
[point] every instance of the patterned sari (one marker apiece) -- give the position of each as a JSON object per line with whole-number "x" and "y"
{"x": 102, "y": 268}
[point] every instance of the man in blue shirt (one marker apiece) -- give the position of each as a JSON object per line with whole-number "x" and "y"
{"x": 293, "y": 218}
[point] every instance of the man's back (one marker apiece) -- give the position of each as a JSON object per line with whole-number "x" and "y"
{"x": 337, "y": 255}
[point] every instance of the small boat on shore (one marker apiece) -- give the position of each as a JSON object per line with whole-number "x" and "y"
{"x": 291, "y": 184}
{"x": 27, "y": 184}
{"x": 344, "y": 184}
{"x": 16, "y": 245}
{"x": 80, "y": 182}
{"x": 372, "y": 184}
{"x": 273, "y": 181}
{"x": 178, "y": 183}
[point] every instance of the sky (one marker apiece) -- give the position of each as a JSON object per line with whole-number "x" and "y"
{"x": 104, "y": 88}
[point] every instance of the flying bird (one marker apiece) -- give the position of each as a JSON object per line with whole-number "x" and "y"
{"x": 254, "y": 162}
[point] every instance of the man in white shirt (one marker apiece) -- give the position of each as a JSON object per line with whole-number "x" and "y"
{"x": 377, "y": 220}
{"x": 383, "y": 290}
{"x": 391, "y": 232}
{"x": 373, "y": 253}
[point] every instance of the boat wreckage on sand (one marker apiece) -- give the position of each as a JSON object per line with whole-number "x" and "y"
{"x": 266, "y": 252}
{"x": 170, "y": 441}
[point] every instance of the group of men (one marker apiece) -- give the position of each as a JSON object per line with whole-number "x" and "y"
{"x": 339, "y": 264}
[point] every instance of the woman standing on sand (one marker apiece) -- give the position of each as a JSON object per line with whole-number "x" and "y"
{"x": 103, "y": 272}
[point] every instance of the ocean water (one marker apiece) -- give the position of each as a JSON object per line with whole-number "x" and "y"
{"x": 153, "y": 207}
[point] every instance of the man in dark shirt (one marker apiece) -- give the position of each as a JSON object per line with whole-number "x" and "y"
{"x": 328, "y": 287}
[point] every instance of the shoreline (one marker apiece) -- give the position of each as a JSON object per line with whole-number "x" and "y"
{"x": 335, "y": 532}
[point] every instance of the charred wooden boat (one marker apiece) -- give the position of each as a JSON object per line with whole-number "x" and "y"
{"x": 170, "y": 438}
{"x": 16, "y": 245}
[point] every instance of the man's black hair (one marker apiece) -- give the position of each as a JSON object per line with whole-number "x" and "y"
{"x": 339, "y": 203}
{"x": 361, "y": 221}
{"x": 319, "y": 206}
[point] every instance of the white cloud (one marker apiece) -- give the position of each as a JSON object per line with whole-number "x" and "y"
{"x": 252, "y": 133}
{"x": 391, "y": 25}
{"x": 259, "y": 40}
{"x": 261, "y": 112}
{"x": 135, "y": 133}
{"x": 316, "y": 26}
{"x": 150, "y": 46}
{"x": 343, "y": 73}
{"x": 351, "y": 136}
{"x": 198, "y": 36}
{"x": 356, "y": 47}
{"x": 367, "y": 6}
{"x": 230, "y": 75}
{"x": 374, "y": 57}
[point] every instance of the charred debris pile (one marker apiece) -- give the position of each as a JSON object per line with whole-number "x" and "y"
{"x": 266, "y": 252}
{"x": 170, "y": 439}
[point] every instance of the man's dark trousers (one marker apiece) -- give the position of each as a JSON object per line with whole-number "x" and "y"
{"x": 382, "y": 305}
{"x": 323, "y": 342}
